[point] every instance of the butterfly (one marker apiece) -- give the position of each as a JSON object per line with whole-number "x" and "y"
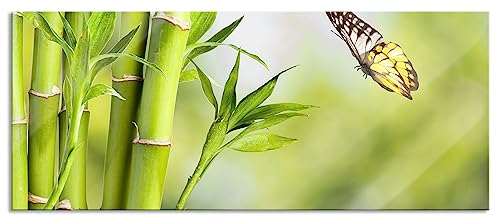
{"x": 386, "y": 63}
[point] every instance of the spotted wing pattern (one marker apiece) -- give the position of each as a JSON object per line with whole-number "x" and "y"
{"x": 358, "y": 35}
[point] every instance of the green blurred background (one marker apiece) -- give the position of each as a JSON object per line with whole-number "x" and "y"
{"x": 365, "y": 148}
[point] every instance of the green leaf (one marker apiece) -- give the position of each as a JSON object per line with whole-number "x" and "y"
{"x": 269, "y": 110}
{"x": 228, "y": 102}
{"x": 260, "y": 142}
{"x": 39, "y": 21}
{"x": 268, "y": 122}
{"x": 68, "y": 31}
{"x": 200, "y": 24}
{"x": 79, "y": 61}
{"x": 206, "y": 85}
{"x": 98, "y": 58}
{"x": 68, "y": 96}
{"x": 188, "y": 75}
{"x": 101, "y": 26}
{"x": 101, "y": 89}
{"x": 254, "y": 99}
{"x": 192, "y": 74}
{"x": 190, "y": 48}
{"x": 218, "y": 38}
{"x": 119, "y": 47}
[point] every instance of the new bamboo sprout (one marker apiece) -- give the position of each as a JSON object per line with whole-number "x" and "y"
{"x": 44, "y": 106}
{"x": 233, "y": 116}
{"x": 127, "y": 80}
{"x": 19, "y": 120}
{"x": 150, "y": 151}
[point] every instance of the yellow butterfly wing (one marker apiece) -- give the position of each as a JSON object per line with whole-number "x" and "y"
{"x": 391, "y": 69}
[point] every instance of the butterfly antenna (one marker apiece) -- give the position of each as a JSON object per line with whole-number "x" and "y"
{"x": 337, "y": 34}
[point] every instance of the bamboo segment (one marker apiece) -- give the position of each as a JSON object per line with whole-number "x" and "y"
{"x": 44, "y": 106}
{"x": 127, "y": 80}
{"x": 19, "y": 121}
{"x": 150, "y": 151}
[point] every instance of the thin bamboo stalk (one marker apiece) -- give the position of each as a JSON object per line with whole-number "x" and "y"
{"x": 44, "y": 107}
{"x": 75, "y": 188}
{"x": 151, "y": 148}
{"x": 19, "y": 121}
{"x": 127, "y": 80}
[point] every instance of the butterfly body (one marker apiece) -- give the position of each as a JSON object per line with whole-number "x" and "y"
{"x": 384, "y": 62}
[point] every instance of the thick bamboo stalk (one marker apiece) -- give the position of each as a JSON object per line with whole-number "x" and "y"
{"x": 127, "y": 80}
{"x": 151, "y": 147}
{"x": 19, "y": 121}
{"x": 44, "y": 107}
{"x": 75, "y": 188}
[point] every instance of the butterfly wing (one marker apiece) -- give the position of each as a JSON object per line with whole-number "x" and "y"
{"x": 392, "y": 70}
{"x": 359, "y": 36}
{"x": 385, "y": 63}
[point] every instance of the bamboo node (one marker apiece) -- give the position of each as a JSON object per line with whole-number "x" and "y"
{"x": 55, "y": 91}
{"x": 65, "y": 204}
{"x": 173, "y": 20}
{"x": 34, "y": 199}
{"x": 22, "y": 121}
{"x": 127, "y": 78}
{"x": 63, "y": 109}
{"x": 139, "y": 140}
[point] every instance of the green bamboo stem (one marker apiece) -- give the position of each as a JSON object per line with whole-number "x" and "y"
{"x": 214, "y": 140}
{"x": 73, "y": 147}
{"x": 44, "y": 107}
{"x": 75, "y": 188}
{"x": 127, "y": 80}
{"x": 19, "y": 121}
{"x": 150, "y": 151}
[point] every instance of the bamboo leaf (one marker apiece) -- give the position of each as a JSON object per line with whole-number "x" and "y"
{"x": 188, "y": 75}
{"x": 119, "y": 47}
{"x": 207, "y": 88}
{"x": 260, "y": 142}
{"x": 218, "y": 38}
{"x": 228, "y": 102}
{"x": 269, "y": 110}
{"x": 39, "y": 21}
{"x": 79, "y": 62}
{"x": 268, "y": 122}
{"x": 101, "y": 89}
{"x": 101, "y": 26}
{"x": 200, "y": 24}
{"x": 98, "y": 58}
{"x": 68, "y": 31}
{"x": 68, "y": 96}
{"x": 193, "y": 47}
{"x": 192, "y": 74}
{"x": 254, "y": 99}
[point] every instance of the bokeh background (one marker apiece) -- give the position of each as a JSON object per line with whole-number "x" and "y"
{"x": 364, "y": 148}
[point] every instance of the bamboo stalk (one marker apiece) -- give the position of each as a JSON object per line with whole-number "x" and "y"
{"x": 127, "y": 80}
{"x": 151, "y": 148}
{"x": 19, "y": 121}
{"x": 44, "y": 107}
{"x": 75, "y": 188}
